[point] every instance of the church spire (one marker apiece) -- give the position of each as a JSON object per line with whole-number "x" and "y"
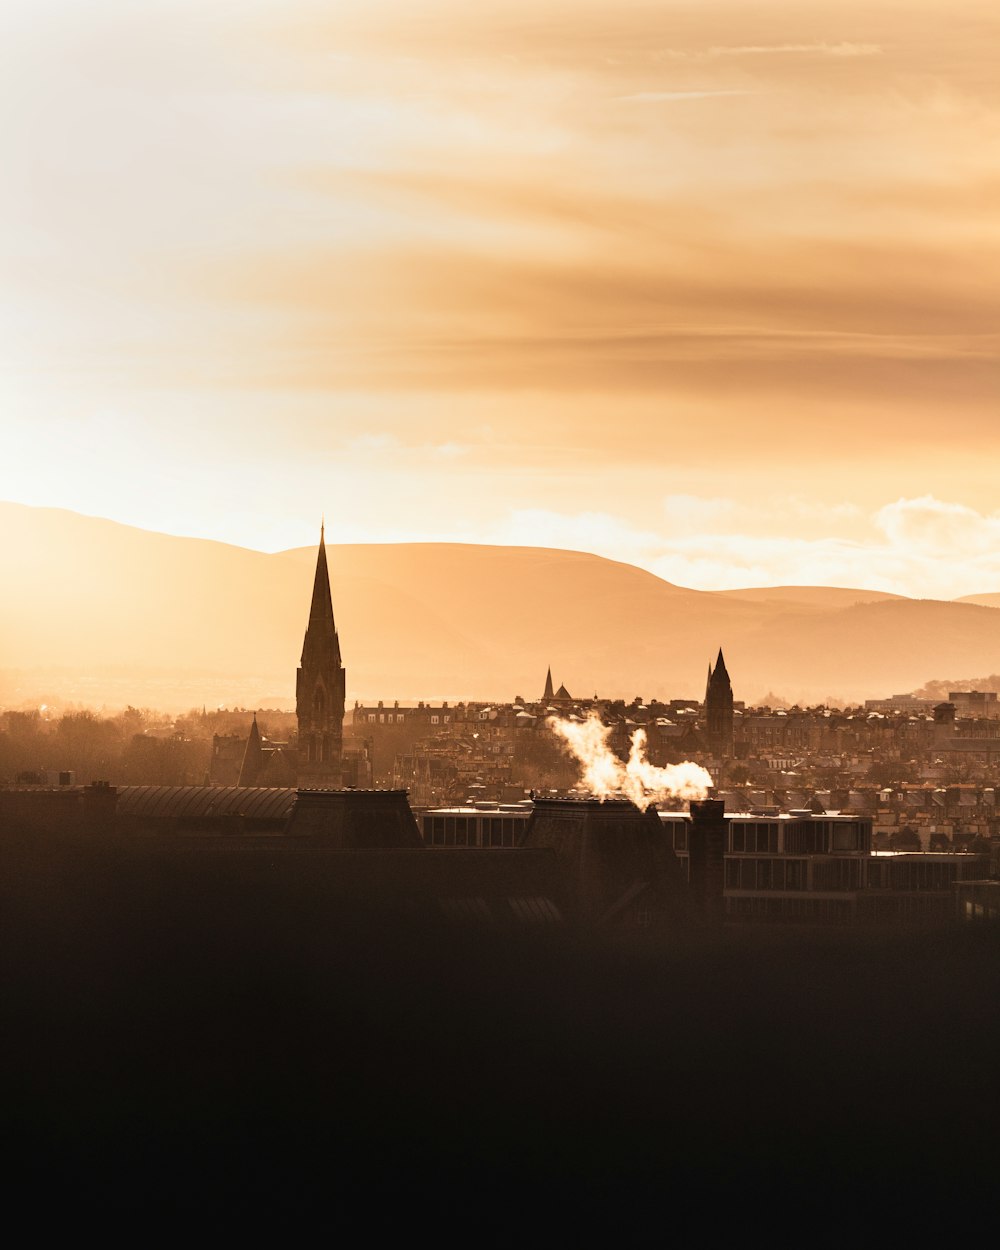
{"x": 253, "y": 757}
{"x": 549, "y": 691}
{"x": 719, "y": 721}
{"x": 320, "y": 686}
{"x": 321, "y": 608}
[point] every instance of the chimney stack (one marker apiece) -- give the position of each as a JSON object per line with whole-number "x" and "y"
{"x": 706, "y": 859}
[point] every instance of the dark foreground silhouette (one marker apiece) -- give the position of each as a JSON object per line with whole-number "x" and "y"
{"x": 204, "y": 1057}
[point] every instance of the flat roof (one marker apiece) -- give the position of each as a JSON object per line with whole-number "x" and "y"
{"x": 838, "y": 816}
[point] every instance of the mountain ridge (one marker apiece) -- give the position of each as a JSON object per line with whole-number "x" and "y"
{"x": 90, "y": 596}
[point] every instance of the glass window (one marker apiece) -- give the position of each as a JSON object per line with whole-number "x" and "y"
{"x": 845, "y": 837}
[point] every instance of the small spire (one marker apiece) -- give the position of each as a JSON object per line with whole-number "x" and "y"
{"x": 253, "y": 757}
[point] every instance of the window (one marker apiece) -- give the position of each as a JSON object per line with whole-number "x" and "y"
{"x": 434, "y": 720}
{"x": 845, "y": 837}
{"x": 795, "y": 874}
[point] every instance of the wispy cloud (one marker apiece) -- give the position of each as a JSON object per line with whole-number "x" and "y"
{"x": 922, "y": 548}
{"x": 809, "y": 49}
{"x": 666, "y": 97}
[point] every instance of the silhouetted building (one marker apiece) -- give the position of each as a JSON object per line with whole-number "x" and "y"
{"x": 228, "y": 751}
{"x": 976, "y": 703}
{"x": 719, "y": 710}
{"x": 349, "y": 852}
{"x": 320, "y": 688}
{"x": 484, "y": 825}
{"x": 618, "y": 867}
{"x": 555, "y": 698}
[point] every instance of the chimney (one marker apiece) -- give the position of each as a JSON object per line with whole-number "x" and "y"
{"x": 706, "y": 859}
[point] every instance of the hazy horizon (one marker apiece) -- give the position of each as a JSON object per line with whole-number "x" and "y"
{"x": 101, "y": 612}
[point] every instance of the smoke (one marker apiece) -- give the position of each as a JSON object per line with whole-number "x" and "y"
{"x": 604, "y": 775}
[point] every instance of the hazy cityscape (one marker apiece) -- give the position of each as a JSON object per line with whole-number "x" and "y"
{"x": 500, "y": 622}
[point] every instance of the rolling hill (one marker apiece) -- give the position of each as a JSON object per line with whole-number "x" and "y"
{"x": 107, "y": 614}
{"x": 988, "y": 600}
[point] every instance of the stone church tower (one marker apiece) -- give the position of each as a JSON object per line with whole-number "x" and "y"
{"x": 719, "y": 710}
{"x": 320, "y": 689}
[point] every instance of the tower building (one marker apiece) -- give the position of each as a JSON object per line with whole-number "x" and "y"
{"x": 719, "y": 710}
{"x": 320, "y": 688}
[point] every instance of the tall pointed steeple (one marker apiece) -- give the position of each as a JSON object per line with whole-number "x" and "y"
{"x": 320, "y": 686}
{"x": 549, "y": 690}
{"x": 321, "y": 632}
{"x": 253, "y": 757}
{"x": 719, "y": 720}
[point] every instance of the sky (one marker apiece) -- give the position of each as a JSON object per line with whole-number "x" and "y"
{"x": 707, "y": 287}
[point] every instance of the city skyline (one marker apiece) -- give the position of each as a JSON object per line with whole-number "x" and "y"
{"x": 706, "y": 291}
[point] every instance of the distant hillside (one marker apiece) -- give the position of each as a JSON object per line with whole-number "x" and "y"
{"x": 810, "y": 596}
{"x": 989, "y": 600}
{"x": 105, "y": 613}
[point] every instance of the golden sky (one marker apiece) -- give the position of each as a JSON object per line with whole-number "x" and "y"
{"x": 709, "y": 287}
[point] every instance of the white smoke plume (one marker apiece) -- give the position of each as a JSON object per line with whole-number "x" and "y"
{"x": 604, "y": 775}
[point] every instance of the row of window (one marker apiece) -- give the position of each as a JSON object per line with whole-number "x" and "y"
{"x": 398, "y": 718}
{"x": 889, "y": 874}
{"x": 807, "y": 837}
{"x": 767, "y": 874}
{"x": 848, "y": 873}
{"x": 471, "y": 830}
